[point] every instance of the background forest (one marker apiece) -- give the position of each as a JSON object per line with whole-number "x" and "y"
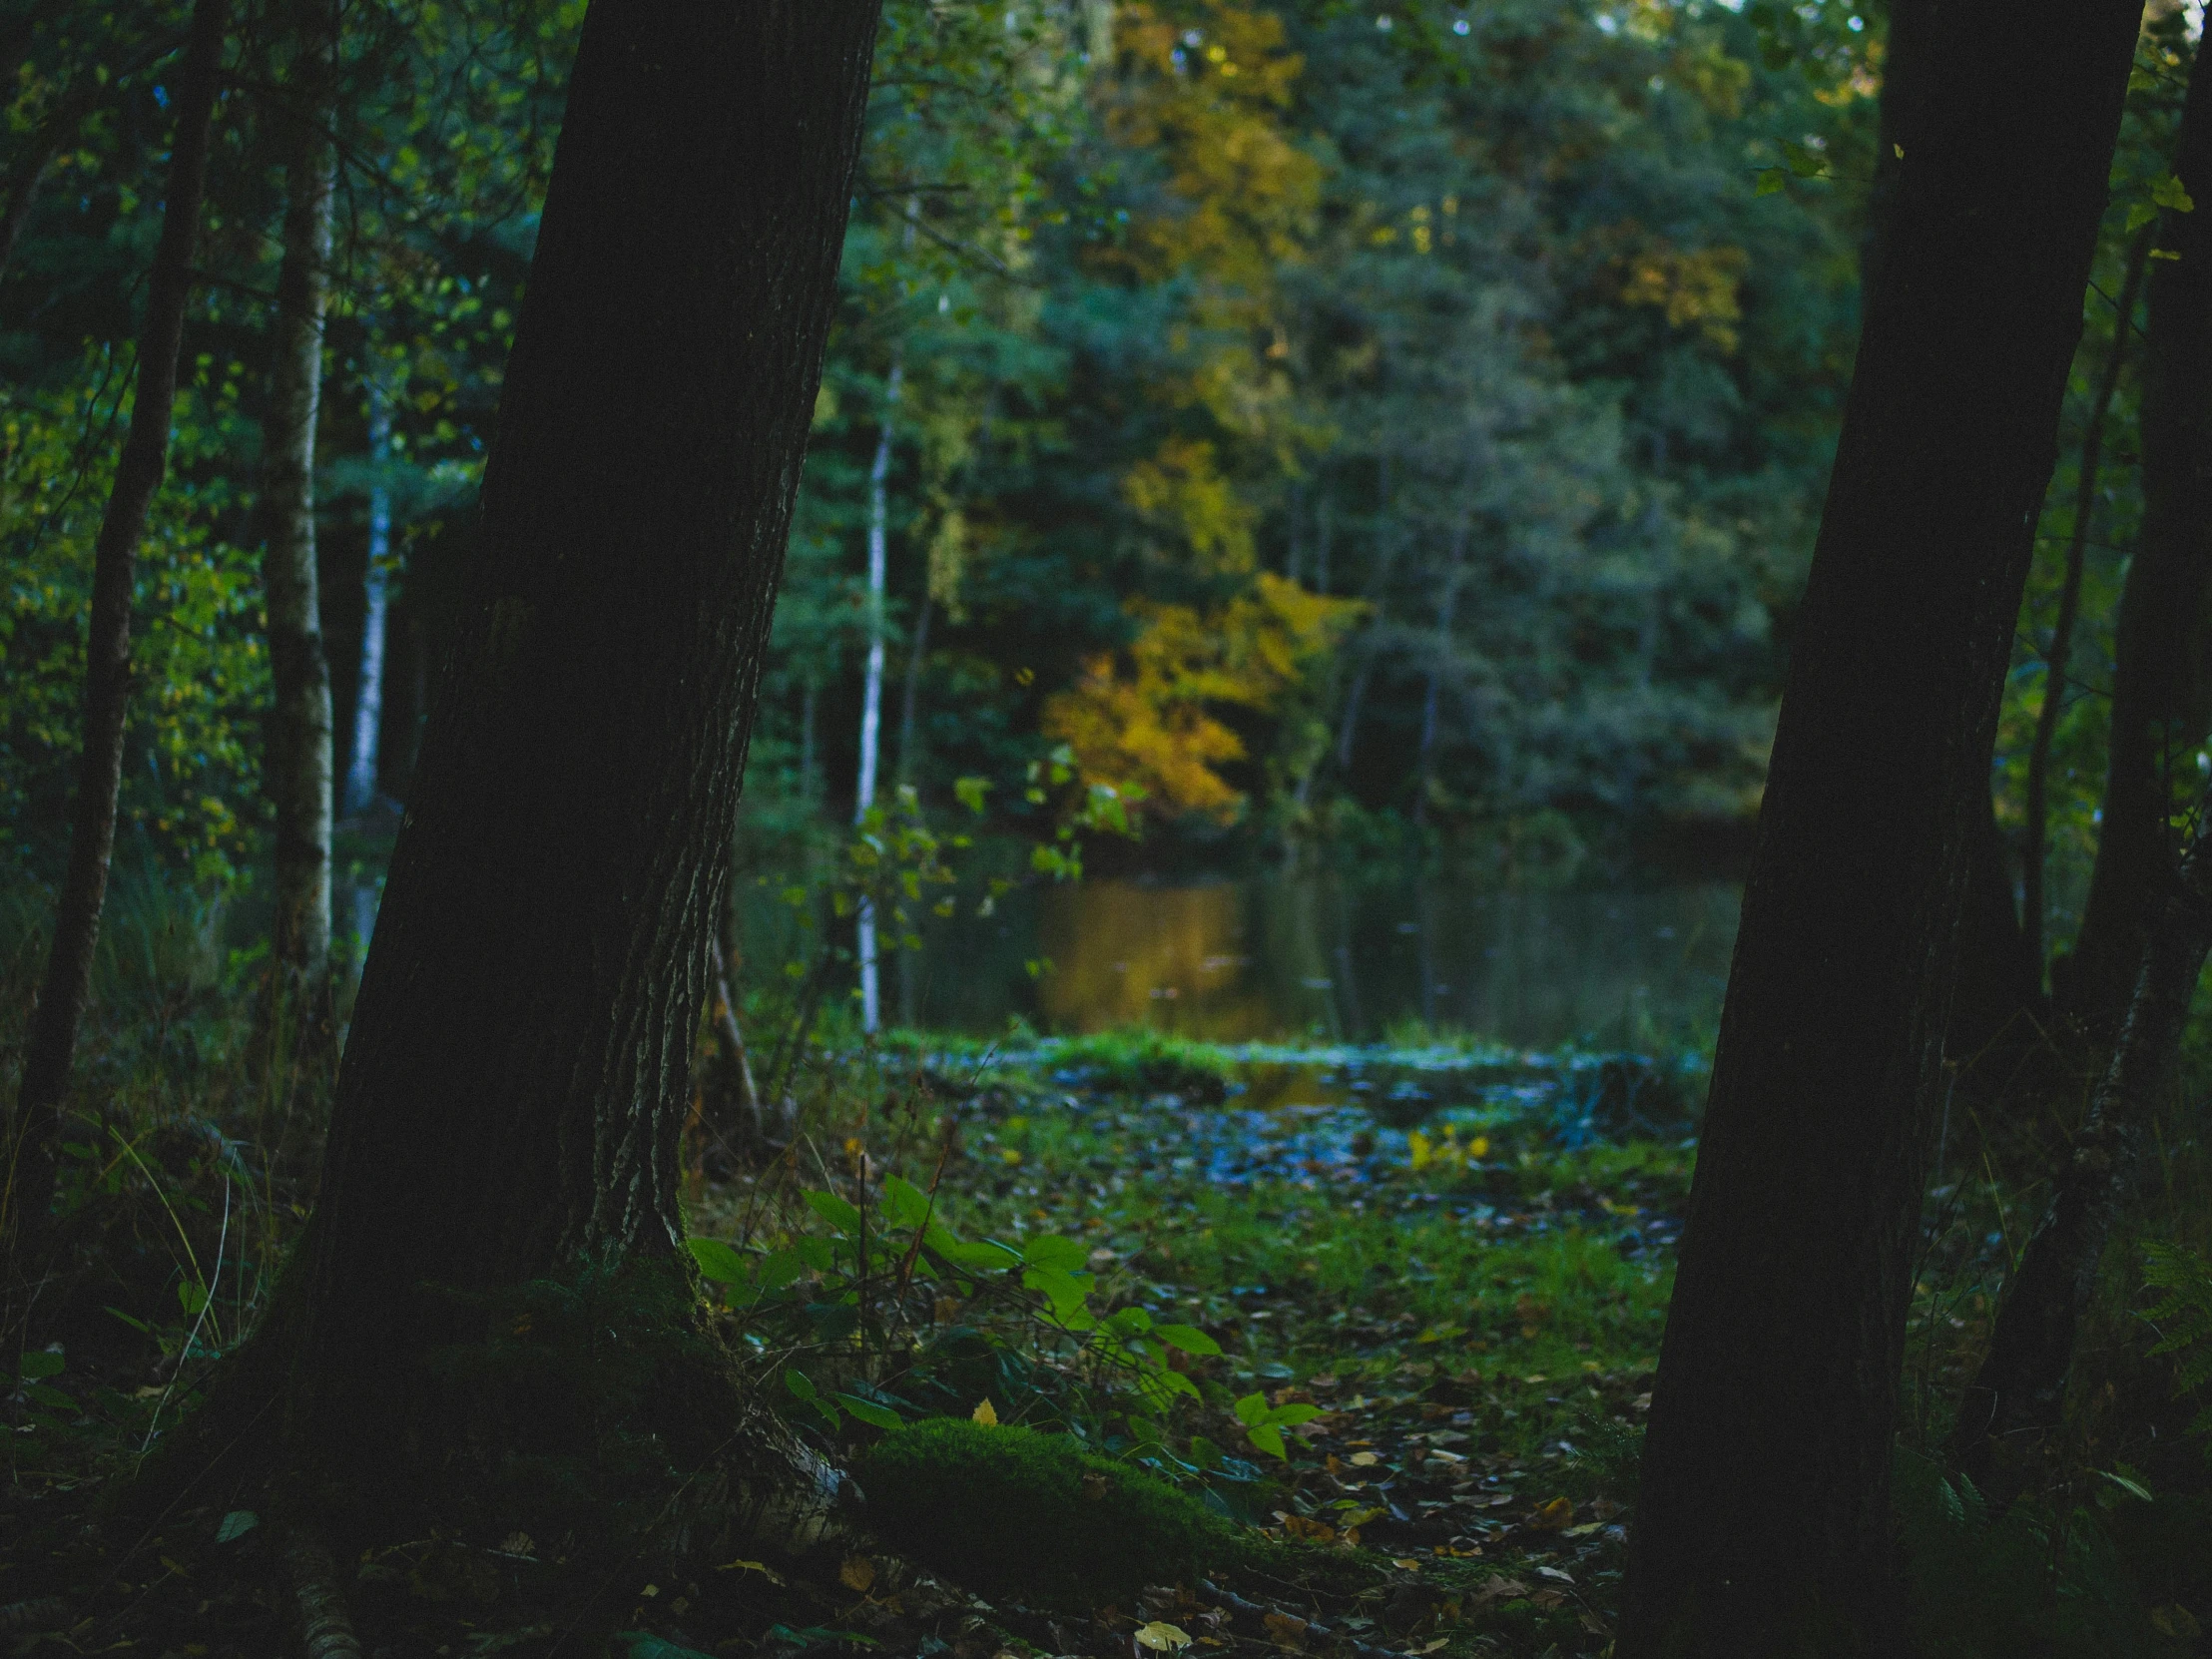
{"x": 1294, "y": 441}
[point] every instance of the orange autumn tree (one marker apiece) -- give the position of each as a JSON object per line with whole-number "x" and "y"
{"x": 1204, "y": 90}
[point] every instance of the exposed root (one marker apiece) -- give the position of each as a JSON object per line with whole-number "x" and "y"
{"x": 323, "y": 1621}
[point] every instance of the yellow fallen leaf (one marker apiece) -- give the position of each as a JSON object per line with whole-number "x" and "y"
{"x": 1161, "y": 1637}
{"x": 858, "y": 1573}
{"x": 1553, "y": 1515}
{"x": 1365, "y": 1459}
{"x": 1406, "y": 1562}
{"x": 1287, "y": 1631}
{"x": 986, "y": 1414}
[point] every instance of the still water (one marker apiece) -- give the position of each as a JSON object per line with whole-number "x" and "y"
{"x": 1268, "y": 959}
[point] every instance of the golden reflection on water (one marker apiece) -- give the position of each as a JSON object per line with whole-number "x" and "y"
{"x": 1175, "y": 958}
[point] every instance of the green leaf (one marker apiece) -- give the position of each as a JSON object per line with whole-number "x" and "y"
{"x": 981, "y": 1253}
{"x": 779, "y": 1269}
{"x": 1269, "y": 1439}
{"x": 1129, "y": 1322}
{"x": 801, "y": 1385}
{"x": 835, "y": 1211}
{"x": 2134, "y": 1488}
{"x": 869, "y": 1412}
{"x": 2169, "y": 192}
{"x": 193, "y": 1296}
{"x": 236, "y": 1525}
{"x": 718, "y": 1261}
{"x": 49, "y": 1396}
{"x": 1252, "y": 1410}
{"x": 645, "y": 1646}
{"x": 1771, "y": 181}
{"x": 2139, "y": 214}
{"x": 39, "y": 1363}
{"x": 1188, "y": 1337}
{"x": 905, "y": 1204}
{"x": 1051, "y": 1251}
{"x": 1801, "y": 160}
{"x": 1291, "y": 1415}
{"x": 969, "y": 791}
{"x": 814, "y": 1252}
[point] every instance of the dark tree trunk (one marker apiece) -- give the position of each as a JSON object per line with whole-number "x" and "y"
{"x": 1763, "y": 1524}
{"x": 2017, "y": 1394}
{"x": 52, "y": 1047}
{"x": 516, "y": 1076}
{"x": 298, "y": 743}
{"x": 2162, "y": 681}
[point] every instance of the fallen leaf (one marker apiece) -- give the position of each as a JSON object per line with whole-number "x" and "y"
{"x": 858, "y": 1573}
{"x": 762, "y": 1567}
{"x": 986, "y": 1414}
{"x": 1547, "y": 1597}
{"x": 1407, "y": 1564}
{"x": 1161, "y": 1637}
{"x": 518, "y": 1543}
{"x": 1285, "y": 1632}
{"x": 1553, "y": 1515}
{"x": 1297, "y": 1526}
{"x": 1365, "y": 1459}
{"x": 1554, "y": 1572}
{"x": 1498, "y": 1587}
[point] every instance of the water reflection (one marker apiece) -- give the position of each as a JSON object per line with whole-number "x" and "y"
{"x": 1246, "y": 960}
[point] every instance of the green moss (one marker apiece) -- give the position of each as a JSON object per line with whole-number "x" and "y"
{"x": 1011, "y": 1513}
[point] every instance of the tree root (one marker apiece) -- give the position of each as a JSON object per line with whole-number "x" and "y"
{"x": 323, "y": 1621}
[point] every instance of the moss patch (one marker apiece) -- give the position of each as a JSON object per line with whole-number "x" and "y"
{"x": 1011, "y": 1513}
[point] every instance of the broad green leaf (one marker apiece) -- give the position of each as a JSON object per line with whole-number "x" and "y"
{"x": 801, "y": 1385}
{"x": 816, "y": 1253}
{"x": 980, "y": 1253}
{"x": 905, "y": 1204}
{"x": 236, "y": 1525}
{"x": 1251, "y": 1410}
{"x": 719, "y": 1262}
{"x": 868, "y": 1411}
{"x": 39, "y": 1363}
{"x": 1052, "y": 1251}
{"x": 2139, "y": 214}
{"x": 1268, "y": 1438}
{"x": 193, "y": 1296}
{"x": 1771, "y": 181}
{"x": 1129, "y": 1322}
{"x": 835, "y": 1211}
{"x": 1188, "y": 1337}
{"x": 779, "y": 1269}
{"x": 1290, "y": 1416}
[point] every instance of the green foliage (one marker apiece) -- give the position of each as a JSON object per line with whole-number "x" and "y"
{"x": 1015, "y": 1512}
{"x": 2182, "y": 1317}
{"x": 2035, "y": 1578}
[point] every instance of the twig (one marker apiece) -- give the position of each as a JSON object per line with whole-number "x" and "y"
{"x": 325, "y": 1627}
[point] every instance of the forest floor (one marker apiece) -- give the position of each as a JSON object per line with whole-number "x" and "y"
{"x": 1394, "y": 1310}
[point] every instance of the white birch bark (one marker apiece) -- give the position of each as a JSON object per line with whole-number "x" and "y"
{"x": 299, "y": 777}
{"x": 872, "y": 697}
{"x": 369, "y": 707}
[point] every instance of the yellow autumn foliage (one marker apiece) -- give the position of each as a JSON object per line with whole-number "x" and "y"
{"x": 1144, "y": 716}
{"x": 1693, "y": 288}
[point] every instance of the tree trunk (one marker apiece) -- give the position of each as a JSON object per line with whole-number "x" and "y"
{"x": 871, "y": 691}
{"x": 2019, "y": 1393}
{"x": 48, "y": 1056}
{"x": 517, "y": 1074}
{"x": 2162, "y": 681}
{"x": 1763, "y": 1524}
{"x": 910, "y": 701}
{"x": 298, "y": 743}
{"x": 369, "y": 705}
{"x": 2060, "y": 650}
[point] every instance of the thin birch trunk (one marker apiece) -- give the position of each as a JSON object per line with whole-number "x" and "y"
{"x": 299, "y": 777}
{"x": 369, "y": 707}
{"x": 871, "y": 696}
{"x": 2070, "y": 605}
{"x": 51, "y": 1050}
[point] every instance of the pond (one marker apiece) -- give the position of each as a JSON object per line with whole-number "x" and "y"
{"x": 1266, "y": 959}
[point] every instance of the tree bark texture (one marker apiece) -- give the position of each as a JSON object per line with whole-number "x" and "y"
{"x": 2162, "y": 678}
{"x": 1763, "y": 1524}
{"x": 297, "y": 775}
{"x": 67, "y": 985}
{"x": 516, "y": 1076}
{"x": 2021, "y": 1385}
